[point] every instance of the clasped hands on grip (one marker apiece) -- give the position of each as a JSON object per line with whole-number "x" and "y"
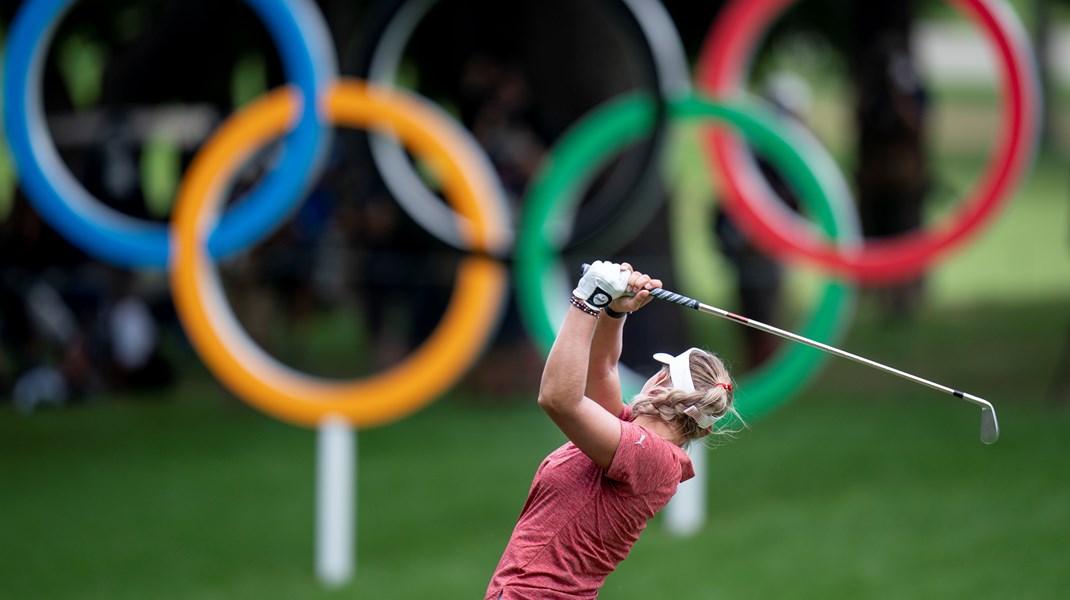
{"x": 615, "y": 285}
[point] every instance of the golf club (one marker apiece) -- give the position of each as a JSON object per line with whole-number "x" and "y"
{"x": 989, "y": 425}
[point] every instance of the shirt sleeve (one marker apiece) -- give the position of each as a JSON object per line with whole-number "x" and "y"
{"x": 644, "y": 461}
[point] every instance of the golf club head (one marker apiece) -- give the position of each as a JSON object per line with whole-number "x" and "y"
{"x": 989, "y": 425}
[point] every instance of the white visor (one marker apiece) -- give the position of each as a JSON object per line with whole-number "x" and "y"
{"x": 679, "y": 368}
{"x": 680, "y": 372}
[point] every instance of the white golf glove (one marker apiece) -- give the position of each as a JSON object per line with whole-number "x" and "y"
{"x": 602, "y": 283}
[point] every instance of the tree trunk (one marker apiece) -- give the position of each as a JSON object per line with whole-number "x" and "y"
{"x": 892, "y": 170}
{"x": 1042, "y": 28}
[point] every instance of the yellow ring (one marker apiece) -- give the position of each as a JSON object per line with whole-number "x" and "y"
{"x": 259, "y": 379}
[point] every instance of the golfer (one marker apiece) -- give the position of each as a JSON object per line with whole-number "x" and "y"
{"x": 593, "y": 496}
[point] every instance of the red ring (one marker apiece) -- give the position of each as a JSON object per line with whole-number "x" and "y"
{"x": 724, "y": 63}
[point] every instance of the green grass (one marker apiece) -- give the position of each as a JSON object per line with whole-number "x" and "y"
{"x": 865, "y": 487}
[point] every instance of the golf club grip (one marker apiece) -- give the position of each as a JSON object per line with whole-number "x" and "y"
{"x": 666, "y": 295}
{"x": 662, "y": 294}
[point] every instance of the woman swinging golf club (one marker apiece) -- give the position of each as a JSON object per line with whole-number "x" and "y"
{"x": 593, "y": 496}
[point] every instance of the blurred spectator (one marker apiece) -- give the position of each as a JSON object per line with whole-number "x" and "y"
{"x": 132, "y": 334}
{"x": 69, "y": 326}
{"x": 503, "y": 122}
{"x": 41, "y": 331}
{"x": 503, "y": 125}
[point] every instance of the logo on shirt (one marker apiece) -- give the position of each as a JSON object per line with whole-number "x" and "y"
{"x": 640, "y": 442}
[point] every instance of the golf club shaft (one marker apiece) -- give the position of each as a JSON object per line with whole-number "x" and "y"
{"x": 666, "y": 295}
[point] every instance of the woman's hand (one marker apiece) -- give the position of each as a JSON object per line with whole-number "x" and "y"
{"x": 602, "y": 282}
{"x": 638, "y": 291}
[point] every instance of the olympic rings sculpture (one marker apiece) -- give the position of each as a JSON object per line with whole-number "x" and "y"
{"x": 478, "y": 222}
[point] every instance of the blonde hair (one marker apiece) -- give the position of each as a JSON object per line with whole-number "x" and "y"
{"x": 713, "y": 396}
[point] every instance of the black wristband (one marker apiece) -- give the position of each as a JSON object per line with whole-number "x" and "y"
{"x": 614, "y": 314}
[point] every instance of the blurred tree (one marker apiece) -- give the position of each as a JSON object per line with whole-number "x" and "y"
{"x": 892, "y": 167}
{"x": 1042, "y": 29}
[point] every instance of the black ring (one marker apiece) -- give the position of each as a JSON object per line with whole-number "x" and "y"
{"x": 627, "y": 201}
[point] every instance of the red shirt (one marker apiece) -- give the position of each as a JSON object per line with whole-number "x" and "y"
{"x": 580, "y": 521}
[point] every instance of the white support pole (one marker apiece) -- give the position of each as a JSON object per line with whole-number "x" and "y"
{"x": 336, "y": 465}
{"x": 686, "y": 513}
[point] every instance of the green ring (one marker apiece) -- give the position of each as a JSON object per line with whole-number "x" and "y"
{"x": 591, "y": 143}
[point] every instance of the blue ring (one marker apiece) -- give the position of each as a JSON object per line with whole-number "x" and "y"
{"x": 308, "y": 60}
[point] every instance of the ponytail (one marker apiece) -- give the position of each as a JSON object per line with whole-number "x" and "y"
{"x": 693, "y": 414}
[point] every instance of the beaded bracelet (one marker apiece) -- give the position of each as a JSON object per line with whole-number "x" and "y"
{"x": 614, "y": 314}
{"x": 580, "y": 304}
